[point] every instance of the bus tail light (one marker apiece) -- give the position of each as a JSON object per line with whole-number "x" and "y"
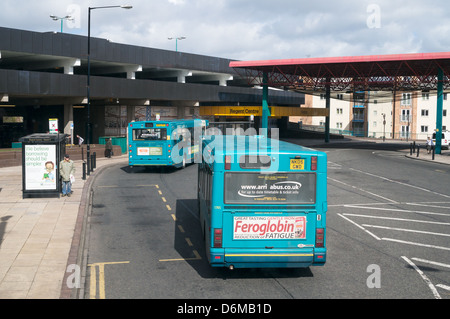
{"x": 313, "y": 163}
{"x": 217, "y": 237}
{"x": 320, "y": 237}
{"x": 227, "y": 162}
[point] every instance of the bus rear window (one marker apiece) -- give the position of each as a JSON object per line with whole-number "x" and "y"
{"x": 254, "y": 161}
{"x": 156, "y": 134}
{"x": 277, "y": 188}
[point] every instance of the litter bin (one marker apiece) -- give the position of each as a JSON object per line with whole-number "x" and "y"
{"x": 41, "y": 155}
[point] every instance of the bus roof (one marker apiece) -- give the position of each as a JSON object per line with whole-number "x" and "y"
{"x": 243, "y": 144}
{"x": 170, "y": 121}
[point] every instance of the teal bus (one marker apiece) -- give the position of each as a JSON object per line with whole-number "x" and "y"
{"x": 164, "y": 143}
{"x": 262, "y": 203}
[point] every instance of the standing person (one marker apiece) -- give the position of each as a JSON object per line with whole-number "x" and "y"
{"x": 66, "y": 169}
{"x": 80, "y": 140}
{"x": 429, "y": 144}
{"x": 108, "y": 148}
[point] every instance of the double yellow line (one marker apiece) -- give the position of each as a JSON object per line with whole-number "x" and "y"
{"x": 101, "y": 279}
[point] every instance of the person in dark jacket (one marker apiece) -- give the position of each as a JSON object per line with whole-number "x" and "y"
{"x": 108, "y": 148}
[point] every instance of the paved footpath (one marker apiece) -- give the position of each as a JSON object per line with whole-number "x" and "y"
{"x": 40, "y": 237}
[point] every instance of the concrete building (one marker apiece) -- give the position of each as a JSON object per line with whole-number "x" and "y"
{"x": 44, "y": 75}
{"x": 410, "y": 115}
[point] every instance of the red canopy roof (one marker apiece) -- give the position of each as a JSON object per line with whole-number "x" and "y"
{"x": 416, "y": 71}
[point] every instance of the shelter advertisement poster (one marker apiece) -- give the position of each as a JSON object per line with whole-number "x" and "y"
{"x": 269, "y": 227}
{"x": 40, "y": 167}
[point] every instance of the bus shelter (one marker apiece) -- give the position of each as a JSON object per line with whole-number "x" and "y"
{"x": 41, "y": 155}
{"x": 397, "y": 72}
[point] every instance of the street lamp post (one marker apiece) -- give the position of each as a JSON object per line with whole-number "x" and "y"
{"x": 88, "y": 138}
{"x": 176, "y": 41}
{"x": 56, "y": 18}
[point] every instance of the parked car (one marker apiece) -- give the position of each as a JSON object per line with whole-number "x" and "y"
{"x": 445, "y": 139}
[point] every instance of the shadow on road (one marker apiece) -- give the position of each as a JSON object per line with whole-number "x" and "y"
{"x": 189, "y": 238}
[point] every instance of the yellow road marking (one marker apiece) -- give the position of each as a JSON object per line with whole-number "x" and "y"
{"x": 164, "y": 199}
{"x": 189, "y": 242}
{"x": 173, "y": 217}
{"x": 197, "y": 257}
{"x": 181, "y": 228}
{"x": 101, "y": 278}
{"x": 168, "y": 207}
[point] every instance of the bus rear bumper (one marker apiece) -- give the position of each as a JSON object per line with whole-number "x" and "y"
{"x": 262, "y": 258}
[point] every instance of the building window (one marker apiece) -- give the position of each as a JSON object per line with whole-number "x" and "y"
{"x": 444, "y": 112}
{"x": 405, "y": 117}
{"x": 339, "y": 111}
{"x": 406, "y": 99}
{"x": 424, "y": 112}
{"x": 340, "y": 96}
{"x": 339, "y": 125}
{"x": 424, "y": 129}
{"x": 322, "y": 96}
{"x": 425, "y": 96}
{"x": 405, "y": 131}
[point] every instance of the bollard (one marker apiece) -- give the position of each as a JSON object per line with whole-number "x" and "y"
{"x": 92, "y": 163}
{"x": 414, "y": 147}
{"x": 95, "y": 160}
{"x": 410, "y": 149}
{"x": 432, "y": 154}
{"x": 88, "y": 167}
{"x": 84, "y": 170}
{"x": 82, "y": 154}
{"x": 418, "y": 148}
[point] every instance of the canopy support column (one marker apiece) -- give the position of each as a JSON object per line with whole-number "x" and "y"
{"x": 439, "y": 111}
{"x": 265, "y": 104}
{"x": 327, "y": 106}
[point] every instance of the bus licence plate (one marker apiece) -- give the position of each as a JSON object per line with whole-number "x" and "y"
{"x": 297, "y": 164}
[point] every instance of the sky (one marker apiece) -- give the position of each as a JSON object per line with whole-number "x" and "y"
{"x": 248, "y": 29}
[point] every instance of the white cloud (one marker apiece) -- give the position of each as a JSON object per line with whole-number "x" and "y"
{"x": 177, "y": 2}
{"x": 250, "y": 30}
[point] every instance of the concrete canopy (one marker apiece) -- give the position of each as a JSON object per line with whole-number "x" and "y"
{"x": 395, "y": 72}
{"x": 416, "y": 71}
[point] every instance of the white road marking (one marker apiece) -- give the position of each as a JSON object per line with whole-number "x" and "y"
{"x": 407, "y": 230}
{"x": 397, "y": 210}
{"x": 399, "y": 219}
{"x": 424, "y": 277}
{"x": 400, "y": 183}
{"x": 362, "y": 190}
{"x": 359, "y": 226}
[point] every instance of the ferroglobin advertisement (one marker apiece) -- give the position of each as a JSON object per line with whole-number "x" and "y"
{"x": 269, "y": 227}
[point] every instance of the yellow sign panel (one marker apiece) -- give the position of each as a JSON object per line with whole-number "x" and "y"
{"x": 275, "y": 111}
{"x": 231, "y": 110}
{"x": 297, "y": 164}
